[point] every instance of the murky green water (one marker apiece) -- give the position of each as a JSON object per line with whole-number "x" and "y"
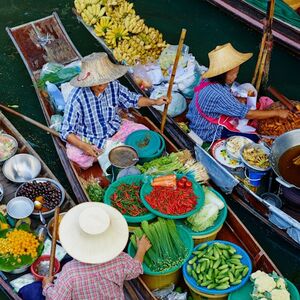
{"x": 206, "y": 27}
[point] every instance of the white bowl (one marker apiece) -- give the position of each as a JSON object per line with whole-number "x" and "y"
{"x": 242, "y": 141}
{"x": 20, "y": 207}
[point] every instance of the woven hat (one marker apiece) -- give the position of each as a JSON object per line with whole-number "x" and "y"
{"x": 223, "y": 59}
{"x": 93, "y": 233}
{"x": 96, "y": 69}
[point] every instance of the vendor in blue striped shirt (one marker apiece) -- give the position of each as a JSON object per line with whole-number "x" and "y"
{"x": 91, "y": 113}
{"x": 214, "y": 108}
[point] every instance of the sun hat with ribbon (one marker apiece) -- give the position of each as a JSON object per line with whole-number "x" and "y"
{"x": 96, "y": 69}
{"x": 223, "y": 59}
{"x": 93, "y": 233}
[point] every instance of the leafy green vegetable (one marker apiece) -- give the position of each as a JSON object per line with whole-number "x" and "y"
{"x": 211, "y": 197}
{"x": 95, "y": 191}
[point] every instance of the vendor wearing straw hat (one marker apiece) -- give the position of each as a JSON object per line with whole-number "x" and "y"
{"x": 91, "y": 113}
{"x": 95, "y": 234}
{"x": 213, "y": 109}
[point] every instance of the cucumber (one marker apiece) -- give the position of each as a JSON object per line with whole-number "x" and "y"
{"x": 189, "y": 269}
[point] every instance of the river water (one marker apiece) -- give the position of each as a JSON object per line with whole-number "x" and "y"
{"x": 206, "y": 26}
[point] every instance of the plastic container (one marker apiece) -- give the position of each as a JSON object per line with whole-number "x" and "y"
{"x": 157, "y": 280}
{"x": 214, "y": 292}
{"x": 56, "y": 97}
{"x": 197, "y": 188}
{"x": 33, "y": 267}
{"x": 137, "y": 179}
{"x": 254, "y": 177}
{"x": 245, "y": 291}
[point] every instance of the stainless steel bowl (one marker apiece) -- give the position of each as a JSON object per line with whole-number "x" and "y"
{"x": 14, "y": 150}
{"x": 1, "y": 192}
{"x": 19, "y": 270}
{"x": 21, "y": 168}
{"x": 49, "y": 213}
{"x": 20, "y": 207}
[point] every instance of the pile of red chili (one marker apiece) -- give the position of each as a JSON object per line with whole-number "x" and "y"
{"x": 126, "y": 199}
{"x": 173, "y": 201}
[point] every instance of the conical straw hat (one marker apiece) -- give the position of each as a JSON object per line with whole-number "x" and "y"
{"x": 93, "y": 232}
{"x": 223, "y": 59}
{"x": 96, "y": 69}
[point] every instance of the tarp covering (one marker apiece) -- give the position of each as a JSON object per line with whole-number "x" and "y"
{"x": 282, "y": 11}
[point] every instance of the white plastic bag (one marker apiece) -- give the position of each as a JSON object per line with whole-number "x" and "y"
{"x": 141, "y": 77}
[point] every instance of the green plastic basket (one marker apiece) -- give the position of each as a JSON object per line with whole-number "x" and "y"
{"x": 198, "y": 190}
{"x": 218, "y": 223}
{"x": 127, "y": 180}
{"x": 188, "y": 242}
{"x": 245, "y": 291}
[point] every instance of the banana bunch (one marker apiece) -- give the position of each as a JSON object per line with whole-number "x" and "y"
{"x": 122, "y": 11}
{"x": 80, "y": 5}
{"x": 111, "y": 2}
{"x": 103, "y": 25}
{"x": 134, "y": 23}
{"x": 115, "y": 34}
{"x": 92, "y": 13}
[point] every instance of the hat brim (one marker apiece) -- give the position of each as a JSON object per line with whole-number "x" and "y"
{"x": 93, "y": 249}
{"x": 116, "y": 72}
{"x": 225, "y": 68}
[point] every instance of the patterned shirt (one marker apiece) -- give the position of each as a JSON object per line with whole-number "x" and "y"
{"x": 215, "y": 100}
{"x": 79, "y": 281}
{"x": 96, "y": 118}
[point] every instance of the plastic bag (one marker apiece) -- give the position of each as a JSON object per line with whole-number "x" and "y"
{"x": 154, "y": 73}
{"x": 56, "y": 121}
{"x": 141, "y": 77}
{"x": 176, "y": 107}
{"x": 168, "y": 293}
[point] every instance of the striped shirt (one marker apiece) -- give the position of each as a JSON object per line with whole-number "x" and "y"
{"x": 215, "y": 100}
{"x": 96, "y": 118}
{"x": 79, "y": 281}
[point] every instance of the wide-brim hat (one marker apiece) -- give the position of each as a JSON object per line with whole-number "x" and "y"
{"x": 223, "y": 59}
{"x": 96, "y": 69}
{"x": 93, "y": 233}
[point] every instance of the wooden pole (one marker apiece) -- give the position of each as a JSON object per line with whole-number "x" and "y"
{"x": 29, "y": 120}
{"x": 54, "y": 237}
{"x": 169, "y": 93}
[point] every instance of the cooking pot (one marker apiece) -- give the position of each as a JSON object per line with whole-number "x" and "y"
{"x": 281, "y": 144}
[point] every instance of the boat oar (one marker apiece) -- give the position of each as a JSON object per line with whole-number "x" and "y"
{"x": 54, "y": 238}
{"x": 169, "y": 93}
{"x": 29, "y": 120}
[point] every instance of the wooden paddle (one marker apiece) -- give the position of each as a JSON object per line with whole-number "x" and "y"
{"x": 54, "y": 237}
{"x": 29, "y": 120}
{"x": 169, "y": 93}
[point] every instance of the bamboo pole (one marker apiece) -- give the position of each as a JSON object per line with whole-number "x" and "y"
{"x": 29, "y": 120}
{"x": 169, "y": 93}
{"x": 54, "y": 238}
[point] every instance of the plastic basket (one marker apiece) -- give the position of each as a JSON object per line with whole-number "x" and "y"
{"x": 218, "y": 223}
{"x": 197, "y": 188}
{"x": 127, "y": 180}
{"x": 188, "y": 242}
{"x": 245, "y": 261}
{"x": 245, "y": 291}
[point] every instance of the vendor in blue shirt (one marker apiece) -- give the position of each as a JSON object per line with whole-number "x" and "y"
{"x": 91, "y": 113}
{"x": 213, "y": 108}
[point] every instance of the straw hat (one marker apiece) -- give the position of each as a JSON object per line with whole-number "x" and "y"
{"x": 93, "y": 233}
{"x": 96, "y": 69}
{"x": 223, "y": 59}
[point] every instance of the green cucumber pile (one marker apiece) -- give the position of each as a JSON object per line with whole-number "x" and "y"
{"x": 216, "y": 266}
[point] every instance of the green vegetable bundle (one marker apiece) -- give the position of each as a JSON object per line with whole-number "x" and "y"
{"x": 95, "y": 191}
{"x": 217, "y": 266}
{"x": 167, "y": 251}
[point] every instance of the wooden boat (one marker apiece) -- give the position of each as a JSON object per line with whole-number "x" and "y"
{"x": 284, "y": 33}
{"x": 243, "y": 195}
{"x": 132, "y": 288}
{"x": 233, "y": 229}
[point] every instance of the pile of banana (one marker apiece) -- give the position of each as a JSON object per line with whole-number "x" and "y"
{"x": 122, "y": 29}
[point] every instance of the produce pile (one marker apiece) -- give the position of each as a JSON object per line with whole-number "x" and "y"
{"x": 216, "y": 266}
{"x": 94, "y": 190}
{"x": 122, "y": 29}
{"x": 269, "y": 287}
{"x": 165, "y": 255}
{"x": 7, "y": 147}
{"x": 169, "y": 199}
{"x": 256, "y": 157}
{"x": 181, "y": 162}
{"x": 126, "y": 199}
{"x": 44, "y": 192}
{"x": 208, "y": 214}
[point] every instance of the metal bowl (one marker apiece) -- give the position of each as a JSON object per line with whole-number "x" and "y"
{"x": 50, "y": 224}
{"x": 21, "y": 168}
{"x": 1, "y": 192}
{"x": 272, "y": 199}
{"x": 20, "y": 207}
{"x": 19, "y": 270}
{"x": 48, "y": 213}
{"x": 247, "y": 164}
{"x": 14, "y": 150}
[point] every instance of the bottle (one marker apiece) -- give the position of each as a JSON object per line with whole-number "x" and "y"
{"x": 56, "y": 96}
